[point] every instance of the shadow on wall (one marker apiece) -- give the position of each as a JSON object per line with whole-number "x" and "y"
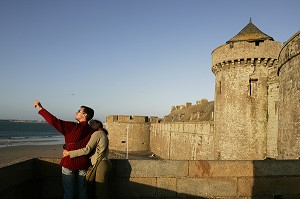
{"x": 41, "y": 179}
{"x": 122, "y": 186}
{"x": 276, "y": 179}
{"x": 16, "y": 181}
{"x": 46, "y": 182}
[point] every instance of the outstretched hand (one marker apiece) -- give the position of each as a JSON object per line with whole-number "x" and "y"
{"x": 37, "y": 104}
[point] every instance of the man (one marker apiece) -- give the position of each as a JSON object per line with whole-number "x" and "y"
{"x": 97, "y": 147}
{"x": 76, "y": 136}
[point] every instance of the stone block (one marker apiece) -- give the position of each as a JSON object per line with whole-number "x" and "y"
{"x": 112, "y": 118}
{"x": 134, "y": 188}
{"x": 220, "y": 168}
{"x": 124, "y": 118}
{"x": 245, "y": 186}
{"x": 140, "y": 119}
{"x": 207, "y": 187}
{"x": 152, "y": 168}
{"x": 275, "y": 168}
{"x": 257, "y": 186}
{"x": 166, "y": 187}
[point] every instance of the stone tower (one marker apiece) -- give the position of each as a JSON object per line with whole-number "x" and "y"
{"x": 245, "y": 70}
{"x": 289, "y": 99}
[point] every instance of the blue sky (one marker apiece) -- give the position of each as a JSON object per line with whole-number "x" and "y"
{"x": 125, "y": 57}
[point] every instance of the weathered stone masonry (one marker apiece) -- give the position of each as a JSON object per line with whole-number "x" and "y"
{"x": 289, "y": 99}
{"x": 242, "y": 75}
{"x": 255, "y": 115}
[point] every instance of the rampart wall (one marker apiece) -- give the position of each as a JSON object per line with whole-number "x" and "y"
{"x": 182, "y": 140}
{"x": 41, "y": 179}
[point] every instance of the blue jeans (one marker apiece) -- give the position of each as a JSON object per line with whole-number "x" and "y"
{"x": 74, "y": 181}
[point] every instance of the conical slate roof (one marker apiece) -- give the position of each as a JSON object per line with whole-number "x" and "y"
{"x": 250, "y": 33}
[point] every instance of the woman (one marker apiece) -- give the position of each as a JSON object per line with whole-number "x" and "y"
{"x": 98, "y": 147}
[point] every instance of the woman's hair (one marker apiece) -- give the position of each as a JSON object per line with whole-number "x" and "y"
{"x": 96, "y": 125}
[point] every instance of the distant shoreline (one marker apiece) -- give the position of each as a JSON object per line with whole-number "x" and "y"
{"x": 28, "y": 121}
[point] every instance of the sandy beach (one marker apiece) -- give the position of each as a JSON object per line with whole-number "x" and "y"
{"x": 13, "y": 154}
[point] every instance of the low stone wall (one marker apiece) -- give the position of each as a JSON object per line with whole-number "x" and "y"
{"x": 40, "y": 178}
{"x": 17, "y": 180}
{"x": 183, "y": 140}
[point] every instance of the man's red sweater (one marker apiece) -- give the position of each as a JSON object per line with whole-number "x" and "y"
{"x": 76, "y": 136}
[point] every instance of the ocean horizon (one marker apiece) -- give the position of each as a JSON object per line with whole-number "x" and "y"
{"x": 28, "y": 132}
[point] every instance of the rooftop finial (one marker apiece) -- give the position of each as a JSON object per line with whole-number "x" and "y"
{"x": 250, "y": 20}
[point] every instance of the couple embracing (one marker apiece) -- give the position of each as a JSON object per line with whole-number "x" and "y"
{"x": 86, "y": 148}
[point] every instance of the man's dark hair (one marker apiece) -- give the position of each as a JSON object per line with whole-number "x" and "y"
{"x": 89, "y": 112}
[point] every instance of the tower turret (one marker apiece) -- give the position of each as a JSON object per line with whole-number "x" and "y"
{"x": 243, "y": 67}
{"x": 289, "y": 98}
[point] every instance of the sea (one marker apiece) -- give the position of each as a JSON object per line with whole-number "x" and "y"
{"x": 28, "y": 132}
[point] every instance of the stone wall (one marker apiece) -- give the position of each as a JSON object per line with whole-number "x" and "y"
{"x": 289, "y": 99}
{"x": 129, "y": 133}
{"x": 17, "y": 181}
{"x": 182, "y": 140}
{"x": 242, "y": 71}
{"x": 256, "y": 113}
{"x": 41, "y": 178}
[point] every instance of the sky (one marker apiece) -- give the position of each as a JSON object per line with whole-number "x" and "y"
{"x": 121, "y": 57}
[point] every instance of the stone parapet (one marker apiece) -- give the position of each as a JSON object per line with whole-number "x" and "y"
{"x": 131, "y": 119}
{"x": 163, "y": 179}
{"x": 289, "y": 50}
{"x": 244, "y": 50}
{"x": 243, "y": 62}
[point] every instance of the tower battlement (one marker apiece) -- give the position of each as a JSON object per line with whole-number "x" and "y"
{"x": 131, "y": 119}
{"x": 245, "y": 51}
{"x": 267, "y": 62}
